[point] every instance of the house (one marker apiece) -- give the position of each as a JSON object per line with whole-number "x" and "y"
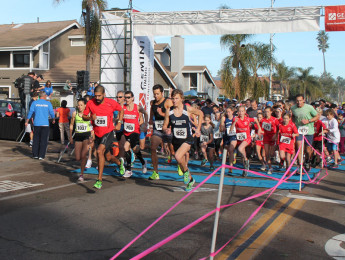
{"x": 54, "y": 49}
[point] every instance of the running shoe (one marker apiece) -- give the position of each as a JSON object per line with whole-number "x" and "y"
{"x": 31, "y": 143}
{"x": 190, "y": 185}
{"x": 179, "y": 171}
{"x": 154, "y": 176}
{"x": 122, "y": 167}
{"x": 270, "y": 171}
{"x": 244, "y": 173}
{"x": 307, "y": 166}
{"x": 203, "y": 162}
{"x": 230, "y": 172}
{"x": 98, "y": 184}
{"x": 247, "y": 164}
{"x": 41, "y": 158}
{"x": 186, "y": 177}
{"x": 168, "y": 160}
{"x": 128, "y": 174}
{"x": 196, "y": 156}
{"x": 88, "y": 164}
{"x": 35, "y": 157}
{"x": 280, "y": 165}
{"x": 263, "y": 168}
{"x": 81, "y": 178}
{"x": 328, "y": 159}
{"x": 132, "y": 157}
{"x": 144, "y": 167}
{"x": 211, "y": 168}
{"x": 235, "y": 155}
{"x": 335, "y": 166}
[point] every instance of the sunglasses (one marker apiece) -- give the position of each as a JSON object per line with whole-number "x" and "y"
{"x": 119, "y": 97}
{"x": 128, "y": 97}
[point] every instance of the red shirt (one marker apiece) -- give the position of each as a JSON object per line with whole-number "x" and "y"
{"x": 63, "y": 114}
{"x": 243, "y": 126}
{"x": 104, "y": 112}
{"x": 270, "y": 125}
{"x": 131, "y": 120}
{"x": 285, "y": 134}
{"x": 318, "y": 128}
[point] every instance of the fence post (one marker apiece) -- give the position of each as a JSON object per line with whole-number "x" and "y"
{"x": 301, "y": 169}
{"x": 219, "y": 199}
{"x": 322, "y": 155}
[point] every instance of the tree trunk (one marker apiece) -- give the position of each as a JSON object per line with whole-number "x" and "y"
{"x": 324, "y": 63}
{"x": 87, "y": 34}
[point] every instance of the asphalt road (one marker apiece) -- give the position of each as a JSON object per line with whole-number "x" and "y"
{"x": 53, "y": 217}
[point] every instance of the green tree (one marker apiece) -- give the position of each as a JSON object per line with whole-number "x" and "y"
{"x": 284, "y": 75}
{"x": 91, "y": 12}
{"x": 236, "y": 62}
{"x": 308, "y": 84}
{"x": 322, "y": 39}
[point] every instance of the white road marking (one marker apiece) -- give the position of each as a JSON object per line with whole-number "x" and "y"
{"x": 198, "y": 190}
{"x": 303, "y": 197}
{"x": 7, "y": 186}
{"x": 333, "y": 247}
{"x": 38, "y": 191}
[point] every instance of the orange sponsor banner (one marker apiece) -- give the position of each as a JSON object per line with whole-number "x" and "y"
{"x": 335, "y": 18}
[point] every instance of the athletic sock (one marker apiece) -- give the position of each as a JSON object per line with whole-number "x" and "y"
{"x": 140, "y": 157}
{"x": 128, "y": 160}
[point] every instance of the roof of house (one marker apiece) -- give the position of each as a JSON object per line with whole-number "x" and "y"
{"x": 170, "y": 75}
{"x": 160, "y": 47}
{"x": 31, "y": 34}
{"x": 202, "y": 69}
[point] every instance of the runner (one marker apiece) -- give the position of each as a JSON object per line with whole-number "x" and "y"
{"x": 319, "y": 128}
{"x": 83, "y": 136}
{"x": 100, "y": 110}
{"x": 259, "y": 144}
{"x": 287, "y": 133}
{"x": 270, "y": 126}
{"x": 178, "y": 117}
{"x": 159, "y": 106}
{"x": 217, "y": 135}
{"x": 132, "y": 119}
{"x": 242, "y": 125}
{"x": 207, "y": 141}
{"x": 229, "y": 138}
{"x": 333, "y": 135}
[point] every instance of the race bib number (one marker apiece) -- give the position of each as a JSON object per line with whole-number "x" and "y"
{"x": 229, "y": 133}
{"x": 180, "y": 133}
{"x": 303, "y": 130}
{"x": 259, "y": 137}
{"x": 129, "y": 127}
{"x": 159, "y": 124}
{"x": 204, "y": 138}
{"x": 218, "y": 135}
{"x": 241, "y": 136}
{"x": 266, "y": 126}
{"x": 285, "y": 140}
{"x": 101, "y": 121}
{"x": 81, "y": 127}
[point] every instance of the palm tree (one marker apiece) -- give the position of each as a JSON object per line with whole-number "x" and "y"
{"x": 322, "y": 39}
{"x": 92, "y": 10}
{"x": 308, "y": 83}
{"x": 237, "y": 61}
{"x": 284, "y": 75}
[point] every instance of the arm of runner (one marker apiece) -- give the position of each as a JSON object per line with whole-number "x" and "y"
{"x": 233, "y": 124}
{"x": 200, "y": 115}
{"x": 86, "y": 113}
{"x": 151, "y": 114}
{"x": 166, "y": 122}
{"x": 71, "y": 125}
{"x": 222, "y": 124}
{"x": 119, "y": 122}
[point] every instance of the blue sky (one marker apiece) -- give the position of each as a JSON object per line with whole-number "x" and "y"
{"x": 296, "y": 49}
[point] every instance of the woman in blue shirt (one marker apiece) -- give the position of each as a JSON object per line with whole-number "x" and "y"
{"x": 48, "y": 89}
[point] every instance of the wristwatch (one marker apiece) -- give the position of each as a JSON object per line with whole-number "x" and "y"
{"x": 120, "y": 121}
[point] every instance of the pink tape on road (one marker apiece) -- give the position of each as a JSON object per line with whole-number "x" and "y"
{"x": 163, "y": 215}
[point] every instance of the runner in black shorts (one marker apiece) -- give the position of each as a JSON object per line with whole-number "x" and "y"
{"x": 178, "y": 117}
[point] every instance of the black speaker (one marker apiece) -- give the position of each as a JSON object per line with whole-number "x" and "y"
{"x": 83, "y": 80}
{"x": 27, "y": 82}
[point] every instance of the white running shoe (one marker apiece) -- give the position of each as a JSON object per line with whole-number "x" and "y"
{"x": 270, "y": 171}
{"x": 81, "y": 178}
{"x": 263, "y": 168}
{"x": 88, "y": 164}
{"x": 128, "y": 174}
{"x": 144, "y": 167}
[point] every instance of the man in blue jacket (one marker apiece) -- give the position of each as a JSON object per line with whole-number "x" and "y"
{"x": 42, "y": 109}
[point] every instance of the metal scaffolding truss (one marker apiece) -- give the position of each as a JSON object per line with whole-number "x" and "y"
{"x": 226, "y": 16}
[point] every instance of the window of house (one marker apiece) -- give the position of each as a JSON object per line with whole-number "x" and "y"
{"x": 21, "y": 60}
{"x": 193, "y": 81}
{"x": 78, "y": 42}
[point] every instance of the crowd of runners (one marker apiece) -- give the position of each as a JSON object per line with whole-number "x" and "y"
{"x": 267, "y": 133}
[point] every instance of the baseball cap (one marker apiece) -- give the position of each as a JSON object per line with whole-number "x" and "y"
{"x": 269, "y": 104}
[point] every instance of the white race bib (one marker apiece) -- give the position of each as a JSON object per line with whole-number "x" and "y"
{"x": 101, "y": 121}
{"x": 180, "y": 133}
{"x": 81, "y": 127}
{"x": 204, "y": 138}
{"x": 241, "y": 136}
{"x": 159, "y": 124}
{"x": 230, "y": 133}
{"x": 218, "y": 135}
{"x": 129, "y": 127}
{"x": 303, "y": 130}
{"x": 266, "y": 126}
{"x": 285, "y": 140}
{"x": 259, "y": 137}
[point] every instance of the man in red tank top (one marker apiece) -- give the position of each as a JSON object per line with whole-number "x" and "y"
{"x": 132, "y": 119}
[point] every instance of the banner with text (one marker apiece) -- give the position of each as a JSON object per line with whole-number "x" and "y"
{"x": 142, "y": 70}
{"x": 335, "y": 18}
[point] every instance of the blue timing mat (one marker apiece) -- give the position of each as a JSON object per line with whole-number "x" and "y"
{"x": 247, "y": 182}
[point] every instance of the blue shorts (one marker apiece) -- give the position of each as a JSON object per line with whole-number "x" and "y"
{"x": 310, "y": 139}
{"x": 228, "y": 139}
{"x": 332, "y": 147}
{"x": 143, "y": 135}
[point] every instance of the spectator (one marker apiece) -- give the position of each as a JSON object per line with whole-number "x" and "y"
{"x": 91, "y": 90}
{"x": 68, "y": 86}
{"x": 252, "y": 111}
{"x": 48, "y": 89}
{"x": 207, "y": 110}
{"x": 33, "y": 98}
{"x": 62, "y": 113}
{"x": 42, "y": 109}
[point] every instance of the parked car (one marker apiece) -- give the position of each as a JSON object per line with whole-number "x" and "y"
{"x": 17, "y": 107}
